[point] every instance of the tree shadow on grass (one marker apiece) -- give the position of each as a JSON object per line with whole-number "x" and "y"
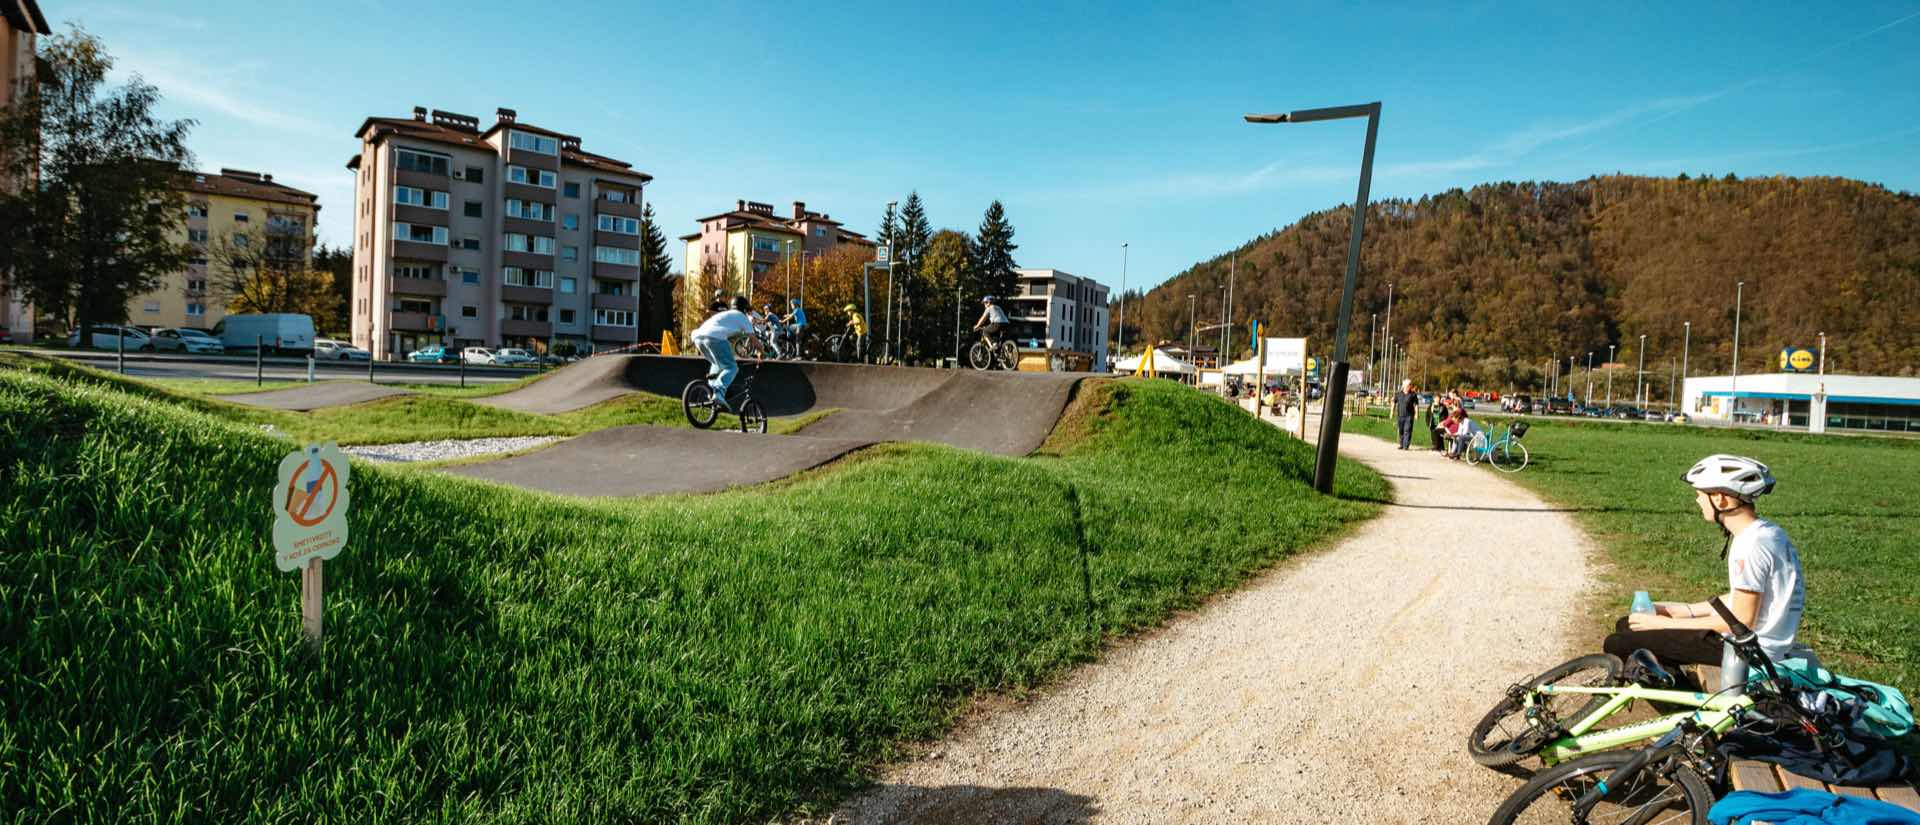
{"x": 967, "y": 805}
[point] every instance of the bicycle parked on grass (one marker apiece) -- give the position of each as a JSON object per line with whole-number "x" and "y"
{"x": 986, "y": 353}
{"x": 697, "y": 401}
{"x": 1501, "y": 448}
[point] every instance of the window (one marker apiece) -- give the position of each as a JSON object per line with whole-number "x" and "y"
{"x": 196, "y": 210}
{"x": 469, "y": 243}
{"x": 469, "y": 276}
{"x": 630, "y": 226}
{"x": 240, "y": 216}
{"x": 819, "y": 231}
{"x": 151, "y": 306}
{"x": 240, "y": 239}
{"x": 476, "y": 175}
{"x": 469, "y": 312}
{"x": 196, "y": 285}
{"x": 765, "y": 244}
{"x": 475, "y": 210}
{"x": 416, "y": 305}
{"x": 566, "y": 316}
{"x": 524, "y": 312}
{"x": 569, "y": 253}
{"x": 196, "y": 310}
{"x": 610, "y": 287}
{"x": 537, "y": 244}
{"x": 197, "y": 235}
{"x": 568, "y": 286}
{"x": 572, "y": 190}
{"x": 533, "y": 143}
{"x": 415, "y": 196}
{"x": 571, "y": 221}
{"x": 529, "y": 210}
{"x": 612, "y": 255}
{"x": 420, "y": 234}
{"x": 538, "y": 278}
{"x": 613, "y": 317}
{"x": 531, "y": 177}
{"x": 416, "y": 161}
{"x": 196, "y": 262}
{"x": 421, "y": 271}
{"x": 615, "y": 195}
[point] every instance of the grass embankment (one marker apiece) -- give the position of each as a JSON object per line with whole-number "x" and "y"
{"x": 437, "y": 413}
{"x": 1848, "y": 502}
{"x": 232, "y": 386}
{"x": 499, "y": 656}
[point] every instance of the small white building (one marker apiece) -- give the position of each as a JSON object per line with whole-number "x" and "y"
{"x": 1059, "y": 310}
{"x": 1852, "y": 402}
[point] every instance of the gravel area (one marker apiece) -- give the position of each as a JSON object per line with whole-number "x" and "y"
{"x": 1337, "y": 688}
{"x": 451, "y": 448}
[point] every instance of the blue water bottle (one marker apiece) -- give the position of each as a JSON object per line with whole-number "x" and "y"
{"x": 1642, "y": 603}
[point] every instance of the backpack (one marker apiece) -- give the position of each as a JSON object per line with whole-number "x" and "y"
{"x": 1877, "y": 710}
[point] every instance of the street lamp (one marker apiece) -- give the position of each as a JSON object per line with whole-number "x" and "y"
{"x": 1336, "y": 387}
{"x": 1386, "y": 334}
{"x": 1823, "y": 353}
{"x": 1190, "y": 326}
{"x": 1609, "y": 368}
{"x": 886, "y": 339}
{"x": 1588, "y": 398}
{"x": 1123, "y": 302}
{"x": 1640, "y": 374}
{"x": 1733, "y": 387}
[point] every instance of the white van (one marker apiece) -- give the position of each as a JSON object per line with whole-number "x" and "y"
{"x": 281, "y": 332}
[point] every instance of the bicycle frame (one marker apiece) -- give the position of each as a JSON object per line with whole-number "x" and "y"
{"x": 1716, "y": 712}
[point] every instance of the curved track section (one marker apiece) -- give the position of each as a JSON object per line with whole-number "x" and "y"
{"x": 304, "y": 399}
{"x": 646, "y": 461}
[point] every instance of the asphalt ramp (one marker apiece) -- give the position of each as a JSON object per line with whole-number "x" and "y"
{"x": 645, "y": 461}
{"x": 316, "y": 396}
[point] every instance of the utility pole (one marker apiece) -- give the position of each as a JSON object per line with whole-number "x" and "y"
{"x": 1373, "y": 368}
{"x": 1686, "y": 343}
{"x": 1226, "y": 335}
{"x": 1123, "y": 301}
{"x": 1388, "y": 334}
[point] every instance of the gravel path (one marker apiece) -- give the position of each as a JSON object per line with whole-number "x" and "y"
{"x": 1339, "y": 688}
{"x": 443, "y": 450}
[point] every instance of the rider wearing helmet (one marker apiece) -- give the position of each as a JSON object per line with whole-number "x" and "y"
{"x": 993, "y": 319}
{"x": 796, "y": 318}
{"x": 1766, "y": 590}
{"x": 714, "y": 340}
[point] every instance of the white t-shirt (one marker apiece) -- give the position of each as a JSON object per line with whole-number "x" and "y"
{"x": 731, "y": 323}
{"x": 996, "y": 315}
{"x": 1763, "y": 560}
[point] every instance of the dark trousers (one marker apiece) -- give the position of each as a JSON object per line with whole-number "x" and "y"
{"x": 1672, "y": 647}
{"x": 1406, "y": 432}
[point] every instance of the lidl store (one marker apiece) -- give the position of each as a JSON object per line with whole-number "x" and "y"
{"x": 1852, "y": 402}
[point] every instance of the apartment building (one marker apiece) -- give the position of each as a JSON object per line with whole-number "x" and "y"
{"x": 20, "y": 22}
{"x": 512, "y": 235}
{"x": 1057, "y": 310}
{"x": 233, "y": 210}
{"x": 752, "y": 239}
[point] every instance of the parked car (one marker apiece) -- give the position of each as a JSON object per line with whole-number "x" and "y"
{"x": 6, "y": 335}
{"x": 1539, "y": 408}
{"x": 278, "y": 333}
{"x": 107, "y": 336}
{"x": 477, "y": 356}
{"x": 511, "y": 356}
{"x": 182, "y": 339}
{"x": 1467, "y": 404}
{"x": 1625, "y": 413}
{"x": 1679, "y": 418}
{"x": 329, "y": 349}
{"x": 434, "y": 354}
{"x": 1426, "y": 399}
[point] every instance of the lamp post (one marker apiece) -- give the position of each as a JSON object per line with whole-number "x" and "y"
{"x": 886, "y": 339}
{"x": 1733, "y": 386}
{"x": 1640, "y": 374}
{"x": 1123, "y": 302}
{"x": 1609, "y": 367}
{"x": 1190, "y": 306}
{"x": 1334, "y": 399}
{"x": 1373, "y": 369}
{"x": 1386, "y": 333}
{"x": 1686, "y": 343}
{"x": 1588, "y": 398}
{"x": 1823, "y": 353}
{"x": 1226, "y": 312}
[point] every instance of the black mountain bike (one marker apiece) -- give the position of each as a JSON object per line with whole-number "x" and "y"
{"x": 698, "y": 403}
{"x": 986, "y": 353}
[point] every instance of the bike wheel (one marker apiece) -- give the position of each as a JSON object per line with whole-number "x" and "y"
{"x": 1660, "y": 794}
{"x": 1512, "y": 457}
{"x": 1009, "y": 356}
{"x": 978, "y": 356}
{"x": 1505, "y": 735}
{"x": 697, "y": 402}
{"x": 752, "y": 418}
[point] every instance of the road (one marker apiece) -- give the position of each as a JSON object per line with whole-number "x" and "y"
{"x": 240, "y": 367}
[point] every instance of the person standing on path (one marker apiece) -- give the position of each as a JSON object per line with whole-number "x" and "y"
{"x": 1404, "y": 405}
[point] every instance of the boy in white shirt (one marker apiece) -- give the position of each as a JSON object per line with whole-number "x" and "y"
{"x": 1766, "y": 590}
{"x": 714, "y": 340}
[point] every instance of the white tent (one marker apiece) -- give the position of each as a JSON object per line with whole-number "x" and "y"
{"x": 1161, "y": 362}
{"x": 1247, "y": 367}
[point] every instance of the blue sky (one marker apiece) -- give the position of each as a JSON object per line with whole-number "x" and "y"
{"x": 1095, "y": 124}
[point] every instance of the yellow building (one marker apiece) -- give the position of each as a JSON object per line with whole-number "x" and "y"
{"x": 752, "y": 240}
{"x": 234, "y": 207}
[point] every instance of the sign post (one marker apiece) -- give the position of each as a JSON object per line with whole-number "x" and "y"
{"x": 310, "y": 522}
{"x": 1306, "y": 373}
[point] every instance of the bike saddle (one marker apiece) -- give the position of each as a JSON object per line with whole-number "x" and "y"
{"x": 1644, "y": 669}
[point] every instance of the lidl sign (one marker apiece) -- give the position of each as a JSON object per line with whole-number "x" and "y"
{"x": 1796, "y": 359}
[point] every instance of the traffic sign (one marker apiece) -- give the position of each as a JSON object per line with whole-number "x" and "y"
{"x": 310, "y": 506}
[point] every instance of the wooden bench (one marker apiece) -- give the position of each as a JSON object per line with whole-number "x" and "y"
{"x": 1765, "y": 777}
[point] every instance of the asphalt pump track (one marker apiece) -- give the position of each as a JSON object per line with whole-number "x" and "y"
{"x": 993, "y": 412}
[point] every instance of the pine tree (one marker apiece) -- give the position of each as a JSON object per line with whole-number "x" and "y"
{"x": 656, "y": 284}
{"x": 913, "y": 235}
{"x": 993, "y": 255}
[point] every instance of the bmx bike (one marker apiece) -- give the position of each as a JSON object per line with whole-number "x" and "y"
{"x": 986, "y": 353}
{"x": 846, "y": 346}
{"x": 702, "y": 409}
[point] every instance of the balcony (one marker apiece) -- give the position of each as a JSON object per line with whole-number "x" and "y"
{"x": 602, "y": 300}
{"x": 526, "y": 295}
{"x": 764, "y": 256}
{"x": 422, "y": 215}
{"x": 618, "y": 335}
{"x": 616, "y": 272}
{"x": 535, "y": 329}
{"x": 527, "y": 260}
{"x": 417, "y": 286}
{"x": 423, "y": 180}
{"x": 413, "y": 322}
{"x": 533, "y": 160}
{"x": 617, "y": 240}
{"x": 522, "y": 226}
{"x": 623, "y": 209}
{"x": 529, "y": 192}
{"x": 418, "y": 251}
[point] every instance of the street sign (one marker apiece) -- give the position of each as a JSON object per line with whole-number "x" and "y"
{"x": 310, "y": 502}
{"x": 1285, "y": 355}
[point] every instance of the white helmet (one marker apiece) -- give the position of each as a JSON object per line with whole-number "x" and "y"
{"x": 1734, "y": 475}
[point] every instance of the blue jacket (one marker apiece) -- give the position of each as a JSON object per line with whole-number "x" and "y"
{"x": 1805, "y": 807}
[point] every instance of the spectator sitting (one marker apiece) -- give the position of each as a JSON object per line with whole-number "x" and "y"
{"x": 1463, "y": 433}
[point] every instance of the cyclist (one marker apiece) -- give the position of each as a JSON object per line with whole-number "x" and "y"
{"x": 993, "y": 319}
{"x": 857, "y": 328}
{"x": 796, "y": 321}
{"x": 714, "y": 339}
{"x": 773, "y": 332}
{"x": 1766, "y": 589}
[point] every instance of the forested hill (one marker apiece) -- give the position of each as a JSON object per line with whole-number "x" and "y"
{"x": 1491, "y": 282}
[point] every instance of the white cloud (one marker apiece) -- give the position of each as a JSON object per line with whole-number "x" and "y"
{"x": 209, "y": 87}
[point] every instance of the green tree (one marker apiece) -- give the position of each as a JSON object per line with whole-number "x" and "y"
{"x": 912, "y": 237}
{"x": 944, "y": 272}
{"x": 98, "y": 218}
{"x": 337, "y": 262}
{"x": 656, "y": 279}
{"x": 993, "y": 255}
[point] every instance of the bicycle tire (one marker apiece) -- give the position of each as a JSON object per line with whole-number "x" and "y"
{"x": 752, "y": 418}
{"x": 979, "y": 357}
{"x": 1009, "y": 356}
{"x": 1514, "y": 457}
{"x": 1475, "y": 447}
{"x": 1497, "y": 740}
{"x": 1647, "y": 800}
{"x": 697, "y": 402}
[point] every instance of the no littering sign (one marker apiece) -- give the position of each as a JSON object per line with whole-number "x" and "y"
{"x": 310, "y": 521}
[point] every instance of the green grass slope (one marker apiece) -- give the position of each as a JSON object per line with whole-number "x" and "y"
{"x": 499, "y": 656}
{"x": 1848, "y": 502}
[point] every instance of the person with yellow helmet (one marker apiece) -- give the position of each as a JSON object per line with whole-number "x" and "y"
{"x": 855, "y": 338}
